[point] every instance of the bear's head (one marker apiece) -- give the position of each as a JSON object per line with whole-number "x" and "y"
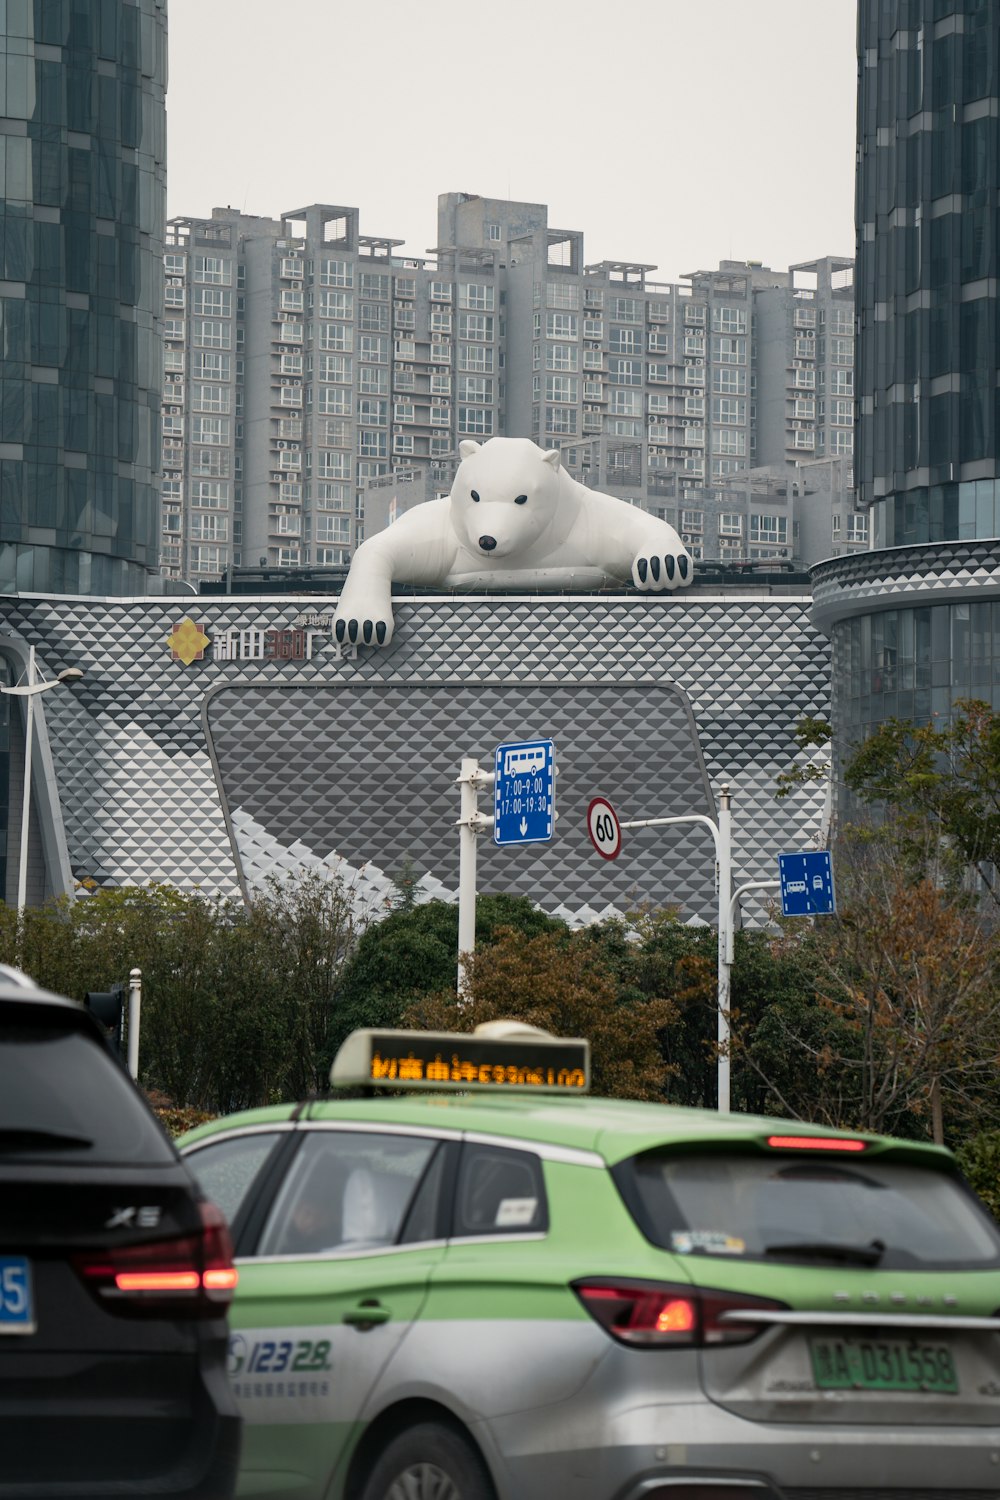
{"x": 505, "y": 495}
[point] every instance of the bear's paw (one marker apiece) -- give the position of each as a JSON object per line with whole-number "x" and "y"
{"x": 371, "y": 627}
{"x": 655, "y": 571}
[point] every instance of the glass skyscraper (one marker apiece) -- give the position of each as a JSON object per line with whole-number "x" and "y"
{"x": 926, "y": 354}
{"x": 82, "y": 209}
{"x": 915, "y": 623}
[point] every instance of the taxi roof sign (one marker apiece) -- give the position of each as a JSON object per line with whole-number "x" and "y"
{"x": 505, "y": 1057}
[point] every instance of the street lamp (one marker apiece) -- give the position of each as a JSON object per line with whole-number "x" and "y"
{"x": 30, "y": 690}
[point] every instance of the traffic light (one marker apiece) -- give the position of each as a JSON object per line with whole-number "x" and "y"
{"x": 108, "y": 1007}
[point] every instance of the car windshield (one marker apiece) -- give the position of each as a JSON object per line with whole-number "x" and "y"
{"x": 876, "y": 1213}
{"x": 62, "y": 1096}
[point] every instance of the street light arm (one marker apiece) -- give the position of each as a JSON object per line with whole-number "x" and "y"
{"x": 701, "y": 818}
{"x": 29, "y": 689}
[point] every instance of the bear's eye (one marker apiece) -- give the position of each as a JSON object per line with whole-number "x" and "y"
{"x": 475, "y": 495}
{"x": 520, "y": 499}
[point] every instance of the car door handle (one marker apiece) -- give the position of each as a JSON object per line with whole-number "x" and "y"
{"x": 366, "y": 1315}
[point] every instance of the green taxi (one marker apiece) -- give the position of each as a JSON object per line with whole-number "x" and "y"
{"x": 485, "y": 1285}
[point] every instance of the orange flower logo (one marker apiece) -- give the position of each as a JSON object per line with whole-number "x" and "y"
{"x": 187, "y": 642}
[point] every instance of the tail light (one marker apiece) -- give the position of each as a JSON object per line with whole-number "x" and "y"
{"x": 816, "y": 1143}
{"x": 192, "y": 1275}
{"x": 655, "y": 1314}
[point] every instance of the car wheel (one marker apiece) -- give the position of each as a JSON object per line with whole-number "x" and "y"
{"x": 428, "y": 1462}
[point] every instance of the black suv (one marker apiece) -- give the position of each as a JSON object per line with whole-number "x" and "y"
{"x": 115, "y": 1278}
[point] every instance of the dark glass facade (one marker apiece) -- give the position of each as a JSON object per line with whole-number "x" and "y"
{"x": 82, "y": 209}
{"x": 912, "y": 663}
{"x": 927, "y": 223}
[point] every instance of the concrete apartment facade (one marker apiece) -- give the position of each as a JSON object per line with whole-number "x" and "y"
{"x": 306, "y": 362}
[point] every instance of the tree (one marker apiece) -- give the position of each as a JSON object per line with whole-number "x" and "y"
{"x": 413, "y": 952}
{"x": 237, "y": 1001}
{"x": 902, "y": 1027}
{"x": 944, "y": 775}
{"x": 811, "y": 736}
{"x": 563, "y": 983}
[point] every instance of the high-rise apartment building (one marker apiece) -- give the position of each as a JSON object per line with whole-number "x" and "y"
{"x": 916, "y": 624}
{"x": 306, "y": 361}
{"x": 81, "y": 238}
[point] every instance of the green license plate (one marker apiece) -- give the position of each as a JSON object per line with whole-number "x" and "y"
{"x": 883, "y": 1365}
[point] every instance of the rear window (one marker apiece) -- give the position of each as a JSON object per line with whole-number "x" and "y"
{"x": 64, "y": 1098}
{"x": 876, "y": 1213}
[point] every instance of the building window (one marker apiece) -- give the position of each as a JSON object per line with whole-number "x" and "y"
{"x": 728, "y": 351}
{"x": 213, "y": 269}
{"x": 475, "y": 388}
{"x": 565, "y": 294}
{"x": 730, "y": 524}
{"x": 209, "y": 528}
{"x": 336, "y": 273}
{"x": 211, "y": 302}
{"x": 476, "y": 296}
{"x": 729, "y": 320}
{"x": 336, "y": 305}
{"x": 475, "y": 326}
{"x": 561, "y": 420}
{"x": 561, "y": 325}
{"x": 475, "y": 359}
{"x": 562, "y": 357}
{"x": 373, "y": 349}
{"x": 208, "y": 559}
{"x": 729, "y": 411}
{"x": 374, "y": 317}
{"x": 769, "y": 531}
{"x": 625, "y": 371}
{"x": 626, "y": 309}
{"x": 475, "y": 420}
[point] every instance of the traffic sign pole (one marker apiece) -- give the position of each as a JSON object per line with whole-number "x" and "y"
{"x": 722, "y": 835}
{"x": 472, "y": 822}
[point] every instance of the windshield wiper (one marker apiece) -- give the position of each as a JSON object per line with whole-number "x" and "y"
{"x": 12, "y": 1136}
{"x": 859, "y": 1255}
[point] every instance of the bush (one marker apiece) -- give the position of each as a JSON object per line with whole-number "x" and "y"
{"x": 979, "y": 1159}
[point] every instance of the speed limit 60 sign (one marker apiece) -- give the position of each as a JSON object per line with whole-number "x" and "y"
{"x": 604, "y": 828}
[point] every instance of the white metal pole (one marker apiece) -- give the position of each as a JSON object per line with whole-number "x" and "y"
{"x": 467, "y": 865}
{"x": 725, "y": 947}
{"x": 22, "y": 863}
{"x": 134, "y": 1007}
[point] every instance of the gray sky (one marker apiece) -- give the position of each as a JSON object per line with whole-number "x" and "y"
{"x": 672, "y": 132}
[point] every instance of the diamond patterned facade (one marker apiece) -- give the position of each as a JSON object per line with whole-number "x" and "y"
{"x": 939, "y": 573}
{"x": 217, "y": 773}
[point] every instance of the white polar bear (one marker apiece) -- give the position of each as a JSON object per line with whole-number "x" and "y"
{"x": 514, "y": 519}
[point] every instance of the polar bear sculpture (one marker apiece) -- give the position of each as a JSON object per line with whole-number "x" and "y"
{"x": 514, "y": 519}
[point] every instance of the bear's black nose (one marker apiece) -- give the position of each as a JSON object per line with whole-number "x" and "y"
{"x": 487, "y": 543}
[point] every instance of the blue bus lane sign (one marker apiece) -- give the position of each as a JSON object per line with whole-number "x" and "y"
{"x": 524, "y": 792}
{"x": 806, "y": 884}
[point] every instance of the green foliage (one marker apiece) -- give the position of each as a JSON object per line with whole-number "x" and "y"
{"x": 945, "y": 775}
{"x": 414, "y": 952}
{"x": 810, "y": 735}
{"x": 564, "y": 983}
{"x": 237, "y": 1001}
{"x": 979, "y": 1159}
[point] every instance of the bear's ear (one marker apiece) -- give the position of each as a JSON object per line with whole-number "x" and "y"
{"x": 467, "y": 448}
{"x": 551, "y": 457}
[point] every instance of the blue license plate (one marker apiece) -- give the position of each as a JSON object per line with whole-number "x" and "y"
{"x": 17, "y": 1305}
